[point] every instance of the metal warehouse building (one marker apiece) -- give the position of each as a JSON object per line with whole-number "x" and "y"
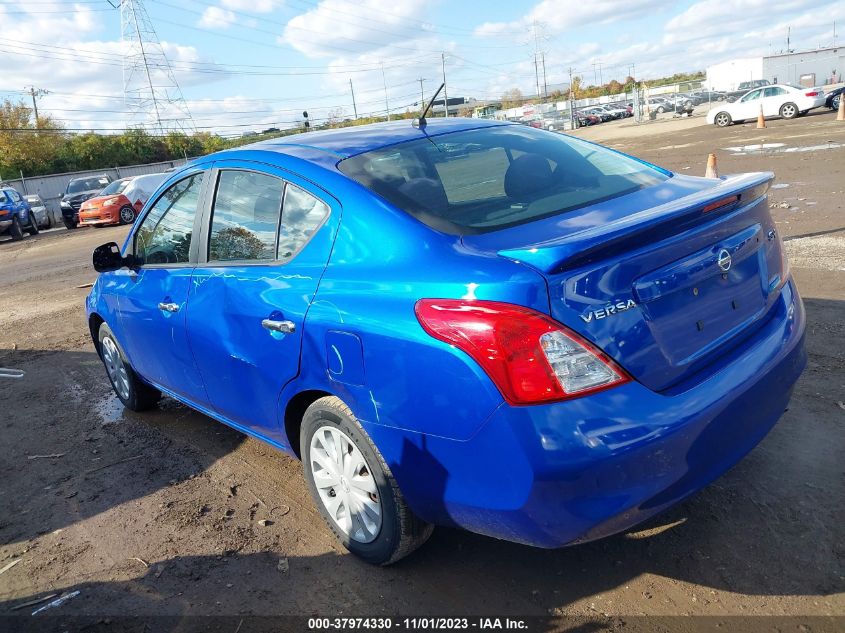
{"x": 817, "y": 67}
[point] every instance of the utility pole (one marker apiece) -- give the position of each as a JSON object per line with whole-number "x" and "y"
{"x": 35, "y": 93}
{"x": 445, "y": 94}
{"x": 150, "y": 90}
{"x": 545, "y": 85}
{"x": 422, "y": 94}
{"x": 384, "y": 81}
{"x": 788, "y": 33}
{"x": 536, "y": 50}
{"x": 354, "y": 107}
{"x": 573, "y": 120}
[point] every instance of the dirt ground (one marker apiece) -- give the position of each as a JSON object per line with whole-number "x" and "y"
{"x": 160, "y": 513}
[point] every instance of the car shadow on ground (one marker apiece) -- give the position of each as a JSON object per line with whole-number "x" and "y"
{"x": 772, "y": 526}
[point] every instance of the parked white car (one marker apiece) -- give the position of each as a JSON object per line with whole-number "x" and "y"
{"x": 783, "y": 100}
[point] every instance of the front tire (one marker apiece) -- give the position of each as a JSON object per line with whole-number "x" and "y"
{"x": 353, "y": 488}
{"x": 127, "y": 215}
{"x": 834, "y": 103}
{"x": 789, "y": 111}
{"x": 15, "y": 230}
{"x": 69, "y": 224}
{"x": 135, "y": 394}
{"x": 723, "y": 119}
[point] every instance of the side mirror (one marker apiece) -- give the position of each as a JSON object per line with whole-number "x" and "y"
{"x": 107, "y": 257}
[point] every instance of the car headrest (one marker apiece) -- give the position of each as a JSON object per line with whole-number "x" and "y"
{"x": 528, "y": 176}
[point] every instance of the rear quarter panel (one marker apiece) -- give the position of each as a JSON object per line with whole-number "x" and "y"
{"x": 383, "y": 262}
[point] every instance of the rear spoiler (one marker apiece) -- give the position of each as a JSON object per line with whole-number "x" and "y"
{"x": 642, "y": 227}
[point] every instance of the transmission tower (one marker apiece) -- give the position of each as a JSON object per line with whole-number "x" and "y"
{"x": 150, "y": 89}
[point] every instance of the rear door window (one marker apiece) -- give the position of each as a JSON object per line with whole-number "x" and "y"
{"x": 302, "y": 215}
{"x": 245, "y": 218}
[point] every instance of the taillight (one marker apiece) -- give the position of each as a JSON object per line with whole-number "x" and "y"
{"x": 811, "y": 94}
{"x": 530, "y": 357}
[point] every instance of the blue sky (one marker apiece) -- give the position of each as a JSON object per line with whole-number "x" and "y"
{"x": 250, "y": 64}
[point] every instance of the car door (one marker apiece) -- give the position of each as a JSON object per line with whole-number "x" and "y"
{"x": 773, "y": 98}
{"x": 20, "y": 207}
{"x": 748, "y": 107}
{"x": 258, "y": 273}
{"x": 152, "y": 295}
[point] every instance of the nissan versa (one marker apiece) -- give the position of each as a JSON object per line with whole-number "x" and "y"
{"x": 463, "y": 323}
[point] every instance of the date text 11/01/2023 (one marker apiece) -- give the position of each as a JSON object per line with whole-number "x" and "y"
{"x": 418, "y": 624}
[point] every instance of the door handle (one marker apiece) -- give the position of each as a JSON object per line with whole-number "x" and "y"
{"x": 285, "y": 327}
{"x": 169, "y": 307}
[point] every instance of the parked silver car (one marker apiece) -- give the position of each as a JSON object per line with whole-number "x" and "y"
{"x": 40, "y": 211}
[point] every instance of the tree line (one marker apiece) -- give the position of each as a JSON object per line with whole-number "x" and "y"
{"x": 579, "y": 90}
{"x": 43, "y": 147}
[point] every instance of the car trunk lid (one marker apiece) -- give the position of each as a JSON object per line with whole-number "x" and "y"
{"x": 665, "y": 279}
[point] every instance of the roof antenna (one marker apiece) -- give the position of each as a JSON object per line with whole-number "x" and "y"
{"x": 420, "y": 123}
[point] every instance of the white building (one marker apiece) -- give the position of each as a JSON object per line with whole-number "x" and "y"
{"x": 809, "y": 68}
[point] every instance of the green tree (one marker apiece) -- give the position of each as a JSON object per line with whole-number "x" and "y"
{"x": 512, "y": 98}
{"x": 23, "y": 146}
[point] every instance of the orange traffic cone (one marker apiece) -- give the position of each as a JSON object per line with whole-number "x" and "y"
{"x": 711, "y": 171}
{"x": 841, "y": 115}
{"x": 761, "y": 121}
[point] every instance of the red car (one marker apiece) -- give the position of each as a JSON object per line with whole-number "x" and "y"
{"x": 120, "y": 202}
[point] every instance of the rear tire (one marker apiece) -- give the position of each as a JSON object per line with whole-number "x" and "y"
{"x": 135, "y": 394}
{"x": 15, "y": 230}
{"x": 32, "y": 229}
{"x": 789, "y": 111}
{"x": 400, "y": 531}
{"x": 69, "y": 224}
{"x": 723, "y": 119}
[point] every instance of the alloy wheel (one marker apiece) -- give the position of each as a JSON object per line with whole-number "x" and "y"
{"x": 127, "y": 215}
{"x": 345, "y": 484}
{"x": 115, "y": 368}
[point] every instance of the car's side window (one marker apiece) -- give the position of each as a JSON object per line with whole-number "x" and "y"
{"x": 14, "y": 195}
{"x": 3, "y": 197}
{"x": 302, "y": 215}
{"x": 164, "y": 236}
{"x": 245, "y": 218}
{"x": 752, "y": 95}
{"x": 775, "y": 92}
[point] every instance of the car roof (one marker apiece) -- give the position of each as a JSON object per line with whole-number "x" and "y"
{"x": 331, "y": 146}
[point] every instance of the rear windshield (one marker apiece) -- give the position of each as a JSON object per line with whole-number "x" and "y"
{"x": 484, "y": 180}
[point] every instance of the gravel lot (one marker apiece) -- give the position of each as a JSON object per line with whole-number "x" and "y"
{"x": 159, "y": 513}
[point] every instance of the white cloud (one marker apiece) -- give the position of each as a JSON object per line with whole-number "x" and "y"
{"x": 255, "y": 6}
{"x": 555, "y": 16}
{"x": 224, "y": 15}
{"x": 216, "y": 18}
{"x": 330, "y": 29}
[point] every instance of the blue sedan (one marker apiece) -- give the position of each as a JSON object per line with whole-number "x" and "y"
{"x": 461, "y": 323}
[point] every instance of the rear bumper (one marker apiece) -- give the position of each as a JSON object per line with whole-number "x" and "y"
{"x": 576, "y": 471}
